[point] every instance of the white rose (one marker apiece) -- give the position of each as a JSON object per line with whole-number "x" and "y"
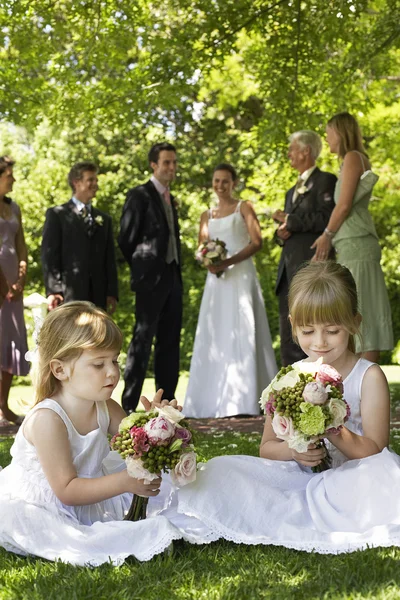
{"x": 338, "y": 410}
{"x": 206, "y": 262}
{"x": 211, "y": 246}
{"x": 299, "y": 443}
{"x": 185, "y": 470}
{"x": 170, "y": 413}
{"x": 212, "y": 254}
{"x": 135, "y": 469}
{"x": 159, "y": 430}
{"x": 265, "y": 396}
{"x": 288, "y": 380}
{"x": 283, "y": 426}
{"x": 315, "y": 393}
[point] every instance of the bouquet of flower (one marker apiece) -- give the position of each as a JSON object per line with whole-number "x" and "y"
{"x": 305, "y": 402}
{"x": 211, "y": 252}
{"x": 154, "y": 442}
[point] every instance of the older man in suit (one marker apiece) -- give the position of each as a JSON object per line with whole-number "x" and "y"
{"x": 149, "y": 240}
{"x": 78, "y": 254}
{"x": 308, "y": 206}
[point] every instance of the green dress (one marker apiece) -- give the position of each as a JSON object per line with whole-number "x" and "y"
{"x": 357, "y": 248}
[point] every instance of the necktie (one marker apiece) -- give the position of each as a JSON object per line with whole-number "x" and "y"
{"x": 299, "y": 183}
{"x": 84, "y": 212}
{"x": 167, "y": 196}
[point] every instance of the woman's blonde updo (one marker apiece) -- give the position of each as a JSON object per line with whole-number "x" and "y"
{"x": 324, "y": 292}
{"x": 66, "y": 332}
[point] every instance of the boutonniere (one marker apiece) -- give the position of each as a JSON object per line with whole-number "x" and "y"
{"x": 303, "y": 189}
{"x": 99, "y": 220}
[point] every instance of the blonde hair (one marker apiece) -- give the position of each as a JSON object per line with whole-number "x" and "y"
{"x": 66, "y": 332}
{"x": 348, "y": 129}
{"x": 324, "y": 292}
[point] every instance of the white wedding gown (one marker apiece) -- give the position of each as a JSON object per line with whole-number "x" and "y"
{"x": 233, "y": 359}
{"x": 252, "y": 500}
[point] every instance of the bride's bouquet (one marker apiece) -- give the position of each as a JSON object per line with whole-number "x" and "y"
{"x": 305, "y": 402}
{"x": 154, "y": 442}
{"x": 211, "y": 252}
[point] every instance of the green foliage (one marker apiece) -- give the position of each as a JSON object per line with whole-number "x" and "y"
{"x": 103, "y": 80}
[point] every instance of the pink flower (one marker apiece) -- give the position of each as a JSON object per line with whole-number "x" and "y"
{"x": 327, "y": 374}
{"x": 159, "y": 430}
{"x": 283, "y": 426}
{"x": 315, "y": 393}
{"x": 270, "y": 406}
{"x": 334, "y": 430}
{"x": 114, "y": 439}
{"x": 140, "y": 441}
{"x": 185, "y": 470}
{"x": 348, "y": 411}
{"x": 183, "y": 434}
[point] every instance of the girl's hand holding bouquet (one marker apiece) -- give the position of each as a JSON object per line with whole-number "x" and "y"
{"x": 210, "y": 253}
{"x": 151, "y": 443}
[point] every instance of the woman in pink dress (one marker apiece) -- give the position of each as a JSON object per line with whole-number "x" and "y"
{"x": 13, "y": 262}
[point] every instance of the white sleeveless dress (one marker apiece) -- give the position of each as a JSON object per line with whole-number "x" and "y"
{"x": 34, "y": 521}
{"x": 233, "y": 359}
{"x": 252, "y": 500}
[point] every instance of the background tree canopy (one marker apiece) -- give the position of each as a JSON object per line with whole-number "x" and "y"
{"x": 102, "y": 80}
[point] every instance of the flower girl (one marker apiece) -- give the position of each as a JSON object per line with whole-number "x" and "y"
{"x": 277, "y": 499}
{"x": 56, "y": 499}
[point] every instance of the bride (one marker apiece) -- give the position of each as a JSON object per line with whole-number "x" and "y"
{"x": 233, "y": 359}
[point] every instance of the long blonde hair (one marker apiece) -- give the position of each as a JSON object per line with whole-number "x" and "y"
{"x": 324, "y": 292}
{"x": 66, "y": 332}
{"x": 348, "y": 129}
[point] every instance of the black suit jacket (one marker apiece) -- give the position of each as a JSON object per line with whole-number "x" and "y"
{"x": 144, "y": 235}
{"x": 308, "y": 217}
{"x": 76, "y": 265}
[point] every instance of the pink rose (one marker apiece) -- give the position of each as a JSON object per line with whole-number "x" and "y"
{"x": 315, "y": 393}
{"x": 159, "y": 430}
{"x": 283, "y": 426}
{"x": 185, "y": 470}
{"x": 327, "y": 374}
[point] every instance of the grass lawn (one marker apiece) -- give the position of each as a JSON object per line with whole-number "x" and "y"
{"x": 220, "y": 571}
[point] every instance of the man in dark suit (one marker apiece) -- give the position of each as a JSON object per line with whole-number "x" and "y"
{"x": 308, "y": 206}
{"x": 78, "y": 254}
{"x": 149, "y": 240}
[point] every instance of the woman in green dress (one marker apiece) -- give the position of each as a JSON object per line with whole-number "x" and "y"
{"x": 353, "y": 234}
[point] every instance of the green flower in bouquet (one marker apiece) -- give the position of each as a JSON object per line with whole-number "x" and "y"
{"x": 312, "y": 419}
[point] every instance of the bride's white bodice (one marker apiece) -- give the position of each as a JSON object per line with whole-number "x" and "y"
{"x": 231, "y": 229}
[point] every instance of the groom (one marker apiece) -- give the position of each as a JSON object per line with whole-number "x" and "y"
{"x": 308, "y": 206}
{"x": 78, "y": 254}
{"x": 149, "y": 240}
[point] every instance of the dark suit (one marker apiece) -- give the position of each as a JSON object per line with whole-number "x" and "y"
{"x": 308, "y": 217}
{"x": 143, "y": 239}
{"x": 78, "y": 261}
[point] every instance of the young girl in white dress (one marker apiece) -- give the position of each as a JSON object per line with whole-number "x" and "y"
{"x": 233, "y": 359}
{"x": 277, "y": 499}
{"x": 56, "y": 500}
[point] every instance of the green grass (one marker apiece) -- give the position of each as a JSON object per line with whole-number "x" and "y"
{"x": 220, "y": 571}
